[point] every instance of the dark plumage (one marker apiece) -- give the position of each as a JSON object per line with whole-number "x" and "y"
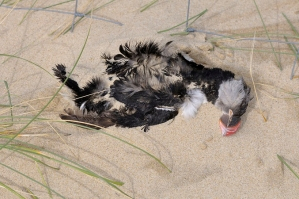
{"x": 94, "y": 90}
{"x": 152, "y": 84}
{"x": 207, "y": 79}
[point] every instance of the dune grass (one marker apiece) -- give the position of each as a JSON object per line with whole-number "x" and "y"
{"x": 37, "y": 153}
{"x": 282, "y": 160}
{"x": 56, "y": 93}
{"x": 23, "y": 19}
{"x": 77, "y": 19}
{"x": 26, "y": 60}
{"x": 291, "y": 24}
{"x": 14, "y": 4}
{"x": 194, "y": 18}
{"x": 292, "y": 46}
{"x": 46, "y": 7}
{"x": 273, "y": 50}
{"x": 290, "y": 95}
{"x": 77, "y": 16}
{"x": 253, "y": 82}
{"x": 145, "y": 7}
{"x": 289, "y": 50}
{"x": 12, "y": 190}
{"x": 283, "y": 38}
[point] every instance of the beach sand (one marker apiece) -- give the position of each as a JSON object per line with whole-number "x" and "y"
{"x": 204, "y": 164}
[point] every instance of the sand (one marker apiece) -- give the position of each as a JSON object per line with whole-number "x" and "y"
{"x": 203, "y": 163}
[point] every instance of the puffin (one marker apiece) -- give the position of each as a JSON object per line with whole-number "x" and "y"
{"x": 147, "y": 84}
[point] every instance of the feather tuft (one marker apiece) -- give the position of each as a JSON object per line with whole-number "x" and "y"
{"x": 195, "y": 98}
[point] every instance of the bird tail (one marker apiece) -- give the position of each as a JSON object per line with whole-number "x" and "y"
{"x": 91, "y": 120}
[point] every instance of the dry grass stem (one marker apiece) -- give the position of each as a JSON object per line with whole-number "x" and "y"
{"x": 257, "y": 99}
{"x": 8, "y": 12}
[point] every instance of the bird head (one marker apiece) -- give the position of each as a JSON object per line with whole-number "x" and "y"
{"x": 233, "y": 99}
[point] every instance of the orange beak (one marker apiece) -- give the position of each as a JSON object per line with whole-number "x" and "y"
{"x": 226, "y": 131}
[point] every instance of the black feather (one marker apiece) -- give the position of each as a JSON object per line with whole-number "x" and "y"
{"x": 208, "y": 79}
{"x": 93, "y": 89}
{"x": 91, "y": 120}
{"x": 60, "y": 73}
{"x": 139, "y": 60}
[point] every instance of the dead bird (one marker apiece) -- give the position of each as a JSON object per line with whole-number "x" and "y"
{"x": 153, "y": 83}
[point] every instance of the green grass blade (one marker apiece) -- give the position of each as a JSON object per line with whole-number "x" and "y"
{"x": 255, "y": 50}
{"x": 126, "y": 142}
{"x": 100, "y": 131}
{"x": 24, "y": 117}
{"x": 9, "y": 100}
{"x": 287, "y": 165}
{"x": 32, "y": 179}
{"x": 249, "y": 34}
{"x": 196, "y": 16}
{"x": 19, "y": 120}
{"x": 33, "y": 149}
{"x": 277, "y": 60}
{"x": 32, "y": 195}
{"x": 148, "y": 5}
{"x": 12, "y": 190}
{"x": 43, "y": 179}
{"x": 195, "y": 19}
{"x": 5, "y": 106}
{"x": 121, "y": 191}
{"x": 87, "y": 13}
{"x": 295, "y": 52}
{"x": 31, "y": 157}
{"x": 58, "y": 4}
{"x": 92, "y": 174}
{"x": 56, "y": 93}
{"x": 290, "y": 23}
{"x": 140, "y": 149}
{"x": 179, "y": 33}
{"x": 14, "y": 56}
{"x": 291, "y": 46}
{"x": 105, "y": 4}
{"x": 23, "y": 19}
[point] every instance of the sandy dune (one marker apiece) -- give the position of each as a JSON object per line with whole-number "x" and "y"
{"x": 204, "y": 164}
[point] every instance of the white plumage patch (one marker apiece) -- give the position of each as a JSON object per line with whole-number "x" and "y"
{"x": 231, "y": 94}
{"x": 165, "y": 108}
{"x": 187, "y": 57}
{"x": 82, "y": 107}
{"x": 195, "y": 98}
